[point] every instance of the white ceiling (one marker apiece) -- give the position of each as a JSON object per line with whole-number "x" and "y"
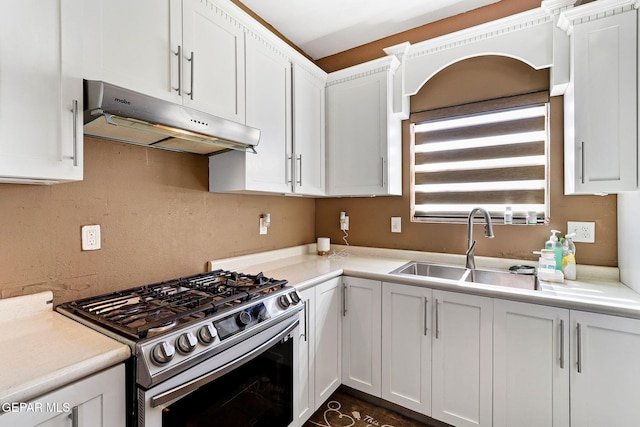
{"x": 325, "y": 27}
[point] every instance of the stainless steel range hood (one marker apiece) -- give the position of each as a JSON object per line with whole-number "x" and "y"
{"x": 123, "y": 115}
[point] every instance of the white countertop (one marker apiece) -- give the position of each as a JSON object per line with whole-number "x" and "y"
{"x": 43, "y": 350}
{"x": 597, "y": 289}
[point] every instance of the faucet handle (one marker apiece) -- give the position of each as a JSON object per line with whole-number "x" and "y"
{"x": 471, "y": 247}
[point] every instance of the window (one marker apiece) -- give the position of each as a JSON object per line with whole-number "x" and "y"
{"x": 491, "y": 154}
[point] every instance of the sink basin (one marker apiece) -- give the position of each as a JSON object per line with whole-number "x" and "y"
{"x": 501, "y": 278}
{"x": 485, "y": 277}
{"x": 426, "y": 269}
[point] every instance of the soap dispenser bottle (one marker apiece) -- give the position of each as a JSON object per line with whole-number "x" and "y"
{"x": 556, "y": 247}
{"x": 569, "y": 257}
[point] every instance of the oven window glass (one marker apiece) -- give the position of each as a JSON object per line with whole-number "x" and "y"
{"x": 258, "y": 393}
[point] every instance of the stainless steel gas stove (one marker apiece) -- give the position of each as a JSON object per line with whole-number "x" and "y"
{"x": 189, "y": 332}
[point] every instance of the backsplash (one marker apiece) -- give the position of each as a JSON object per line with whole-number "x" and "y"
{"x": 157, "y": 218}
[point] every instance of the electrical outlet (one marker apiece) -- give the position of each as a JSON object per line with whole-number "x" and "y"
{"x": 396, "y": 224}
{"x": 585, "y": 231}
{"x": 91, "y": 237}
{"x": 344, "y": 221}
{"x": 344, "y": 224}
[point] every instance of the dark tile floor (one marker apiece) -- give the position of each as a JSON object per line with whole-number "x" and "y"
{"x": 344, "y": 410}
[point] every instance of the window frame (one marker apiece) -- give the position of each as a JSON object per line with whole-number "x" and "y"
{"x": 475, "y": 108}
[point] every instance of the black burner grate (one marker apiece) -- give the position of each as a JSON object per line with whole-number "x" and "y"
{"x": 148, "y": 310}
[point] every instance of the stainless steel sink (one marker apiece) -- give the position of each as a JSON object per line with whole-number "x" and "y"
{"x": 502, "y": 278}
{"x": 476, "y": 275}
{"x": 415, "y": 268}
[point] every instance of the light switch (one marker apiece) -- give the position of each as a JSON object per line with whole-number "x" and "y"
{"x": 396, "y": 224}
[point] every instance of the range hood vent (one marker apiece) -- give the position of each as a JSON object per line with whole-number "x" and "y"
{"x": 123, "y": 115}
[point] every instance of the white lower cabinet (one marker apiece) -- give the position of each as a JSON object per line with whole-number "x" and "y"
{"x": 436, "y": 353}
{"x": 406, "y": 349}
{"x": 320, "y": 350}
{"x": 96, "y": 401}
{"x": 306, "y": 376}
{"x": 328, "y": 339}
{"x": 461, "y": 383}
{"x": 361, "y": 335}
{"x": 605, "y": 373}
{"x": 468, "y": 360}
{"x": 530, "y": 365}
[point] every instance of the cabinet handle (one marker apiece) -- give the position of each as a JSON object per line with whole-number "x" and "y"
{"x": 289, "y": 170}
{"x": 306, "y": 320}
{"x": 74, "y": 111}
{"x": 300, "y": 170}
{"x": 344, "y": 299}
{"x": 382, "y": 174}
{"x": 561, "y": 344}
{"x": 192, "y": 60}
{"x": 74, "y": 417}
{"x": 582, "y": 161}
{"x": 437, "y": 319}
{"x": 579, "y": 350}
{"x": 426, "y": 306}
{"x": 179, "y": 55}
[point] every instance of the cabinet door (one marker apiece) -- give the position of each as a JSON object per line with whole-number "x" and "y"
{"x": 605, "y": 370}
{"x": 462, "y": 365}
{"x": 357, "y": 136}
{"x": 406, "y": 346}
{"x": 213, "y": 58}
{"x": 41, "y": 91}
{"x": 530, "y": 365}
{"x": 96, "y": 401}
{"x": 308, "y": 133}
{"x": 268, "y": 91}
{"x": 328, "y": 339}
{"x": 601, "y": 105}
{"x": 137, "y": 50}
{"x": 361, "y": 335}
{"x": 306, "y": 371}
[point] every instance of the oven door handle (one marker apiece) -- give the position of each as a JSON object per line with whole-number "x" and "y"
{"x": 190, "y": 386}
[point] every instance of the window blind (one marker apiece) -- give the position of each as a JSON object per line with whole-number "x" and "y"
{"x": 492, "y": 159}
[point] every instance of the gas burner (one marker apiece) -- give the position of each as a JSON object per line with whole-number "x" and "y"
{"x": 152, "y": 309}
{"x": 162, "y": 328}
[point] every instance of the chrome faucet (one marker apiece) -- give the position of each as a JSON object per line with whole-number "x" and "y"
{"x": 488, "y": 232}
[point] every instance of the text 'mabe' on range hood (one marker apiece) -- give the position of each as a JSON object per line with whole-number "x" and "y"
{"x": 123, "y": 115}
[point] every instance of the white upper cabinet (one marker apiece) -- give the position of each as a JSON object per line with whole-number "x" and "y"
{"x": 364, "y": 140}
{"x": 137, "y": 50}
{"x": 286, "y": 102}
{"x": 308, "y": 131}
{"x": 268, "y": 109}
{"x": 213, "y": 60}
{"x": 41, "y": 92}
{"x": 601, "y": 113}
{"x": 190, "y": 52}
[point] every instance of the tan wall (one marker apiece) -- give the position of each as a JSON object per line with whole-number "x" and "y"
{"x": 158, "y": 222}
{"x": 472, "y": 80}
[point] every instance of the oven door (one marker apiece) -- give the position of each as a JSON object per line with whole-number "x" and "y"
{"x": 250, "y": 384}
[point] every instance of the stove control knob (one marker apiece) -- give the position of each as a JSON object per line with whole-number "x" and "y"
{"x": 244, "y": 318}
{"x": 162, "y": 353}
{"x": 295, "y": 298}
{"x": 284, "y": 301}
{"x": 207, "y": 334}
{"x": 186, "y": 343}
